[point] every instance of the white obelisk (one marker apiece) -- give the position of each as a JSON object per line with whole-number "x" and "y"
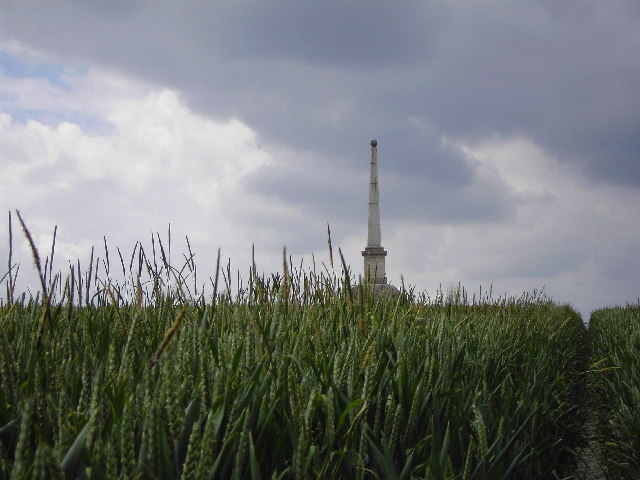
{"x": 374, "y": 253}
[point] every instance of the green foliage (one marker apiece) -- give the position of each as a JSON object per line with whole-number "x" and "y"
{"x": 298, "y": 376}
{"x": 329, "y": 388}
{"x": 615, "y": 343}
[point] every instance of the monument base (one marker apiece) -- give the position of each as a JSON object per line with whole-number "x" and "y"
{"x": 385, "y": 290}
{"x": 374, "y": 265}
{"x": 381, "y": 291}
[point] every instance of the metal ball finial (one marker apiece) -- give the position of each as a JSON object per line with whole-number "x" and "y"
{"x": 374, "y": 143}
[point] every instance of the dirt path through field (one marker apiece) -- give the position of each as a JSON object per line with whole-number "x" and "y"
{"x": 589, "y": 467}
{"x": 589, "y": 461}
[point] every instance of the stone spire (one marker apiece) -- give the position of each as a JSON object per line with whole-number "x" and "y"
{"x": 374, "y": 253}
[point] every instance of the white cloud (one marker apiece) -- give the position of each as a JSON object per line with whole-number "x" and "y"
{"x": 157, "y": 163}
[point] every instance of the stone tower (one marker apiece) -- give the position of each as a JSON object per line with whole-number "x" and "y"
{"x": 374, "y": 254}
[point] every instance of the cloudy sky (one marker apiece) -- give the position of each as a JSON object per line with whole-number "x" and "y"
{"x": 508, "y": 135}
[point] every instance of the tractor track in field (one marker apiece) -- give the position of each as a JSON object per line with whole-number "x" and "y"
{"x": 589, "y": 460}
{"x": 589, "y": 456}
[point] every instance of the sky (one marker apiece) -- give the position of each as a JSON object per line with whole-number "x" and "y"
{"x": 508, "y": 136}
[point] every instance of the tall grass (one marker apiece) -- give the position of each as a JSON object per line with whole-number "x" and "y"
{"x": 615, "y": 339}
{"x": 295, "y": 375}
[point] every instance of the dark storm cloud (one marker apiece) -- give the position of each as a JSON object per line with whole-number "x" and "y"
{"x": 307, "y": 184}
{"x": 334, "y": 33}
{"x": 328, "y": 76}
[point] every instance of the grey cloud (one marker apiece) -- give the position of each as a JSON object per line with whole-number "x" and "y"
{"x": 436, "y": 203}
{"x": 311, "y": 189}
{"x": 345, "y": 34}
{"x": 338, "y": 193}
{"x": 564, "y": 80}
